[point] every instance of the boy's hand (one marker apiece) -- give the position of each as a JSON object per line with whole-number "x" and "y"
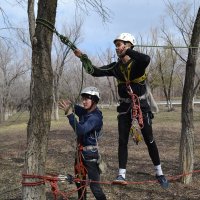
{"x": 65, "y": 105}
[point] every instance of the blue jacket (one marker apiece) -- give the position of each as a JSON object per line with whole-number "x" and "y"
{"x": 89, "y": 126}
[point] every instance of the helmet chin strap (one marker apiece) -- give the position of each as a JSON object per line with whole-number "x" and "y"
{"x": 92, "y": 107}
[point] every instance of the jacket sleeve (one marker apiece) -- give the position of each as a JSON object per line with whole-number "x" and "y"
{"x": 141, "y": 59}
{"x": 79, "y": 110}
{"x": 106, "y": 70}
{"x": 81, "y": 129}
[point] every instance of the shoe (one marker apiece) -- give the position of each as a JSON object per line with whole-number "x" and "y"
{"x": 163, "y": 181}
{"x": 120, "y": 180}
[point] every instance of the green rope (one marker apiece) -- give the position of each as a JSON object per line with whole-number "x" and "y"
{"x": 87, "y": 64}
{"x": 51, "y": 27}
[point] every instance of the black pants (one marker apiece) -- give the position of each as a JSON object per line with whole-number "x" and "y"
{"x": 93, "y": 175}
{"x": 124, "y": 124}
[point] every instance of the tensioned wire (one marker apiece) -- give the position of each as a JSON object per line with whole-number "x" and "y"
{"x": 168, "y": 47}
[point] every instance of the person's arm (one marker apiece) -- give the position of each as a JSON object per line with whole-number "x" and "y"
{"x": 81, "y": 129}
{"x": 105, "y": 70}
{"x": 141, "y": 59}
{"x": 66, "y": 106}
{"x": 79, "y": 110}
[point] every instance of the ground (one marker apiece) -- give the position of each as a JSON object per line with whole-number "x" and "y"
{"x": 140, "y": 173}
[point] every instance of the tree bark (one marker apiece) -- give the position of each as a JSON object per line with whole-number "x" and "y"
{"x": 41, "y": 99}
{"x": 187, "y": 133}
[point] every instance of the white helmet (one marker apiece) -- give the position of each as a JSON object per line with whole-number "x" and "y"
{"x": 92, "y": 93}
{"x": 126, "y": 37}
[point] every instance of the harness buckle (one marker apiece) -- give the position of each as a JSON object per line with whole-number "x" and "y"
{"x": 90, "y": 147}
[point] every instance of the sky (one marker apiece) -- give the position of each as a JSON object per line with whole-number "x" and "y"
{"x": 134, "y": 16}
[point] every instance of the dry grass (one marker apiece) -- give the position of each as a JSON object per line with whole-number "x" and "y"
{"x": 60, "y": 159}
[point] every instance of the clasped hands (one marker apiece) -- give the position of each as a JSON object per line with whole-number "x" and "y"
{"x": 66, "y": 105}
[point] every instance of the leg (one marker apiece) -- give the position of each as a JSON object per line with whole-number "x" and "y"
{"x": 81, "y": 186}
{"x": 93, "y": 175}
{"x": 81, "y": 190}
{"x": 153, "y": 150}
{"x": 124, "y": 124}
{"x": 149, "y": 140}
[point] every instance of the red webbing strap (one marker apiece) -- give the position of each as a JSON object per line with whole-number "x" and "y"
{"x": 136, "y": 110}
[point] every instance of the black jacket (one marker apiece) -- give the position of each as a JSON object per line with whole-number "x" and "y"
{"x": 140, "y": 62}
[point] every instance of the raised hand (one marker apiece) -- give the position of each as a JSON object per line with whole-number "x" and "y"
{"x": 65, "y": 105}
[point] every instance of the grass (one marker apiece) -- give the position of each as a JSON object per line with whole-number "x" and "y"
{"x": 60, "y": 156}
{"x": 19, "y": 120}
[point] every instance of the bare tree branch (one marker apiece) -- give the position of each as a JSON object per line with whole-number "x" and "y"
{"x": 96, "y": 5}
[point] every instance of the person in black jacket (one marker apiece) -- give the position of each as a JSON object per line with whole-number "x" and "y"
{"x": 88, "y": 130}
{"x": 129, "y": 71}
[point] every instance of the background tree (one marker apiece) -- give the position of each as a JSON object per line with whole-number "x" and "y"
{"x": 166, "y": 64}
{"x": 183, "y": 16}
{"x": 105, "y": 59}
{"x": 10, "y": 71}
{"x": 62, "y": 56}
{"x": 187, "y": 132}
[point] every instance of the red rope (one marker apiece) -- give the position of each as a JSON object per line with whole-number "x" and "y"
{"x": 136, "y": 114}
{"x": 136, "y": 110}
{"x": 55, "y": 190}
{"x": 80, "y": 169}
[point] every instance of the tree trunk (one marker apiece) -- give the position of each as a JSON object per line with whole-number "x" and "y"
{"x": 187, "y": 133}
{"x": 41, "y": 101}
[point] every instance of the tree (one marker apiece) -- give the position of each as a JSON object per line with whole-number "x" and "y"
{"x": 183, "y": 16}
{"x": 166, "y": 63}
{"x": 186, "y": 151}
{"x": 10, "y": 71}
{"x": 40, "y": 95}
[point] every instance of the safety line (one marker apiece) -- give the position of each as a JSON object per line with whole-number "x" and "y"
{"x": 168, "y": 47}
{"x": 56, "y": 178}
{"x": 53, "y": 181}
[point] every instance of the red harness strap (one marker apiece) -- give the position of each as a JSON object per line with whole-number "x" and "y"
{"x": 80, "y": 169}
{"x": 137, "y": 118}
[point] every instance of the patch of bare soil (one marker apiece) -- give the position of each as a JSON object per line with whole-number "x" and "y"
{"x": 140, "y": 170}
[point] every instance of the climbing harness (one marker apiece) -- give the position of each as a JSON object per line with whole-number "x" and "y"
{"x": 80, "y": 170}
{"x": 137, "y": 80}
{"x": 126, "y": 73}
{"x": 136, "y": 113}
